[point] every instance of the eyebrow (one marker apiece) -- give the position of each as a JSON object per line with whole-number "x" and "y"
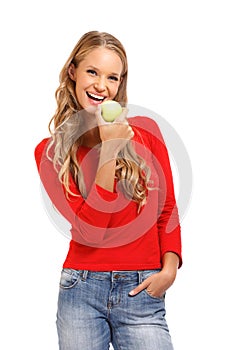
{"x": 95, "y": 68}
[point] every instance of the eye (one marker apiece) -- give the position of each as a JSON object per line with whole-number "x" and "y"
{"x": 91, "y": 71}
{"x": 113, "y": 77}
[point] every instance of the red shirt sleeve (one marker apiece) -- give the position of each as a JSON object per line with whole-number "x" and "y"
{"x": 89, "y": 216}
{"x": 148, "y": 133}
{"x": 168, "y": 218}
{"x": 39, "y": 151}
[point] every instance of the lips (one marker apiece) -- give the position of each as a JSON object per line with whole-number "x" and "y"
{"x": 94, "y": 97}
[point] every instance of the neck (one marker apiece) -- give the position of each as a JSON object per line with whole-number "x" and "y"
{"x": 91, "y": 138}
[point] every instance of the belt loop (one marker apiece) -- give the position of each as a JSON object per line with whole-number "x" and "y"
{"x": 84, "y": 275}
{"x": 139, "y": 277}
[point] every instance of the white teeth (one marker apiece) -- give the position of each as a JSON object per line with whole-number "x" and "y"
{"x": 96, "y": 96}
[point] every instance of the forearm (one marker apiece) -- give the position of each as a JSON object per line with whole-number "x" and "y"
{"x": 105, "y": 175}
{"x": 170, "y": 264}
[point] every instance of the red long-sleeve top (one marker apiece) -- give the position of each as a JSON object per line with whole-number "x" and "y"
{"x": 107, "y": 230}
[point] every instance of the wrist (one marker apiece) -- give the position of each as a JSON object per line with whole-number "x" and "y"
{"x": 108, "y": 151}
{"x": 169, "y": 274}
{"x": 170, "y": 263}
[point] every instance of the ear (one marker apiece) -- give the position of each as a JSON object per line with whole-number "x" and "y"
{"x": 72, "y": 72}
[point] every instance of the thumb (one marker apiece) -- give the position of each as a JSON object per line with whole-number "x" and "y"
{"x": 138, "y": 289}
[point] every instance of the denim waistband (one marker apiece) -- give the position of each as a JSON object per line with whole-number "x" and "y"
{"x": 113, "y": 276}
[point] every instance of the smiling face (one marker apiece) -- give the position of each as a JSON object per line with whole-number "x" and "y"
{"x": 97, "y": 77}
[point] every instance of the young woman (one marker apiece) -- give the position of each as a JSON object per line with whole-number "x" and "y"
{"x": 113, "y": 182}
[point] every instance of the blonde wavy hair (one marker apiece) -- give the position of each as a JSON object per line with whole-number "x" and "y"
{"x": 132, "y": 172}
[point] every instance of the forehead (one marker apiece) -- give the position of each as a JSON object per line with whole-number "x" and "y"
{"x": 103, "y": 58}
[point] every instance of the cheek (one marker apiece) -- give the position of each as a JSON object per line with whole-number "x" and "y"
{"x": 80, "y": 86}
{"x": 81, "y": 83}
{"x": 114, "y": 90}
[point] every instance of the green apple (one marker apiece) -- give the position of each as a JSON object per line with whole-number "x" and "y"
{"x": 110, "y": 110}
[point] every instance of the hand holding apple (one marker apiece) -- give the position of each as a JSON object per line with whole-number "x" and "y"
{"x": 110, "y": 110}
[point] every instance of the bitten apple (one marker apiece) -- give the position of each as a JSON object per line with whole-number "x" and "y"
{"x": 110, "y": 110}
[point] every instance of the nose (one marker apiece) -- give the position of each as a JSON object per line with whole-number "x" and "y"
{"x": 100, "y": 84}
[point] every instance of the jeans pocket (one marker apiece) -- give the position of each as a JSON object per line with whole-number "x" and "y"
{"x": 69, "y": 278}
{"x": 159, "y": 298}
{"x": 147, "y": 274}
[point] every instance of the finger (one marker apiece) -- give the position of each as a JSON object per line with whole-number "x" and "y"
{"x": 131, "y": 133}
{"x": 100, "y": 120}
{"x": 122, "y": 117}
{"x": 139, "y": 288}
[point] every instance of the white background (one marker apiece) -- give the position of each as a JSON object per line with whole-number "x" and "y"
{"x": 180, "y": 60}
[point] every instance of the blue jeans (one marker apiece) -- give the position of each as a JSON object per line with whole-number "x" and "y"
{"x": 94, "y": 310}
